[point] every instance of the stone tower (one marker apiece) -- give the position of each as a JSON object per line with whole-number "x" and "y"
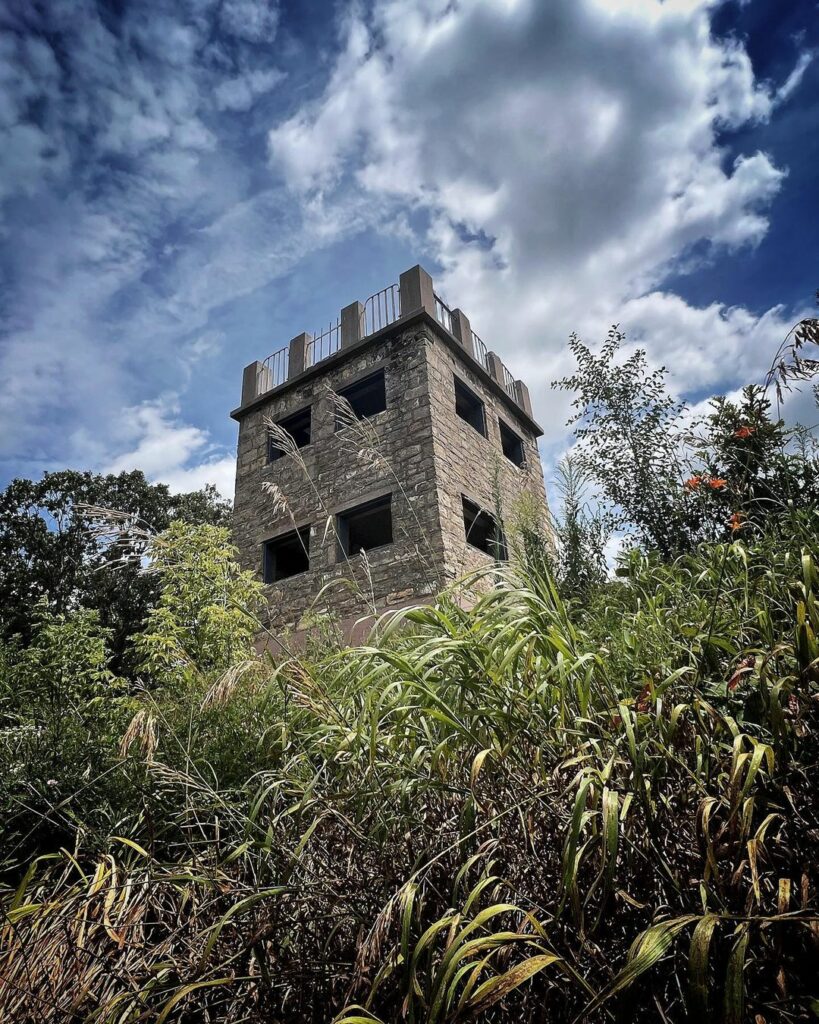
{"x": 391, "y": 490}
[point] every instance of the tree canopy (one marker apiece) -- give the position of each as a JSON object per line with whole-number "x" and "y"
{"x": 49, "y": 552}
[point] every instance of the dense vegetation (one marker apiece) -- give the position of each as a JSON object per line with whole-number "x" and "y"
{"x": 50, "y": 555}
{"x": 586, "y": 798}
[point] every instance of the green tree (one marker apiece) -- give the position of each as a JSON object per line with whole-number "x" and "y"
{"x": 49, "y": 552}
{"x": 580, "y": 564}
{"x": 755, "y": 469}
{"x": 736, "y": 469}
{"x": 630, "y": 438}
{"x": 205, "y": 619}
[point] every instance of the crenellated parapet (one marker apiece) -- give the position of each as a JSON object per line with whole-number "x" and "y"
{"x": 414, "y": 294}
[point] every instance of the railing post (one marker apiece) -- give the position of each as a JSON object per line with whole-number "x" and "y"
{"x": 524, "y": 401}
{"x": 298, "y": 354}
{"x": 495, "y": 367}
{"x": 462, "y": 330}
{"x": 352, "y": 324}
{"x": 255, "y": 381}
{"x": 417, "y": 291}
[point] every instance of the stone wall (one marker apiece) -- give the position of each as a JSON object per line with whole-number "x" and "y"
{"x": 340, "y": 469}
{"x": 418, "y": 449}
{"x": 468, "y": 464}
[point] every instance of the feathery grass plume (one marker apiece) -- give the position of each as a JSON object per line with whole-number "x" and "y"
{"x": 124, "y": 533}
{"x": 285, "y": 443}
{"x": 224, "y": 687}
{"x": 282, "y": 440}
{"x": 279, "y": 503}
{"x": 790, "y": 364}
{"x": 141, "y": 733}
{"x": 359, "y": 437}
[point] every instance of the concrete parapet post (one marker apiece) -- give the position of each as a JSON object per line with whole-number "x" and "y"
{"x": 495, "y": 367}
{"x": 352, "y": 324}
{"x": 524, "y": 401}
{"x": 462, "y": 330}
{"x": 298, "y": 354}
{"x": 417, "y": 291}
{"x": 255, "y": 381}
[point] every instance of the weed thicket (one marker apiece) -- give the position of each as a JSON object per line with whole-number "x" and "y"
{"x": 529, "y": 810}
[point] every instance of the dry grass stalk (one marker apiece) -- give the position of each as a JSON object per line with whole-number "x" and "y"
{"x": 226, "y": 685}
{"x": 141, "y": 733}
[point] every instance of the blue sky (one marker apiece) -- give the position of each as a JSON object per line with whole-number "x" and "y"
{"x": 186, "y": 184}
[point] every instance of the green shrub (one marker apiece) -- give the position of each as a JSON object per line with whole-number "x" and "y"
{"x": 522, "y": 810}
{"x": 61, "y": 715}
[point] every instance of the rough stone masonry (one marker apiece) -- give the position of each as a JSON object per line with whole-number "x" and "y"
{"x": 390, "y": 492}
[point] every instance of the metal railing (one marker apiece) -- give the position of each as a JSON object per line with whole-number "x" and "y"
{"x": 324, "y": 344}
{"x": 509, "y": 385}
{"x": 481, "y": 351}
{"x": 482, "y": 355}
{"x": 443, "y": 314}
{"x": 381, "y": 309}
{"x": 273, "y": 371}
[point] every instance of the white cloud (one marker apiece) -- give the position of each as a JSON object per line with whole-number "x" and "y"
{"x": 566, "y": 157}
{"x": 109, "y": 296}
{"x": 561, "y": 157}
{"x": 706, "y": 347}
{"x": 793, "y": 80}
{"x": 240, "y": 92}
{"x": 256, "y": 21}
{"x": 220, "y": 472}
{"x": 204, "y": 346}
{"x": 170, "y": 451}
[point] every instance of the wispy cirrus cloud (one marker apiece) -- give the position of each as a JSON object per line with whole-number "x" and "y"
{"x": 121, "y": 201}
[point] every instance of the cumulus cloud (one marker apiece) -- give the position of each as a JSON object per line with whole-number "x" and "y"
{"x": 170, "y": 451}
{"x": 703, "y": 346}
{"x": 564, "y": 157}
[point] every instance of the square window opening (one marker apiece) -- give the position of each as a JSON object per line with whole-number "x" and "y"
{"x": 512, "y": 444}
{"x": 366, "y": 397}
{"x": 298, "y": 427}
{"x": 483, "y": 532}
{"x": 365, "y": 527}
{"x": 287, "y": 556}
{"x": 469, "y": 407}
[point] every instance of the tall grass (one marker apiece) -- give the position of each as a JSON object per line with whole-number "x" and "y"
{"x": 523, "y": 811}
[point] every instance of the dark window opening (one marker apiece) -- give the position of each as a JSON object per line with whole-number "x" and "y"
{"x": 482, "y": 531}
{"x": 469, "y": 407}
{"x": 297, "y": 426}
{"x": 365, "y": 527}
{"x": 287, "y": 556}
{"x": 512, "y": 444}
{"x": 366, "y": 397}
